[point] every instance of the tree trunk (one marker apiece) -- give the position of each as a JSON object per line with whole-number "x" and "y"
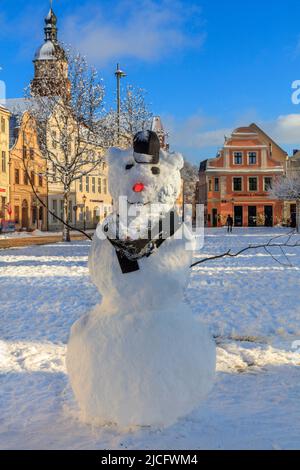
{"x": 66, "y": 230}
{"x": 298, "y": 215}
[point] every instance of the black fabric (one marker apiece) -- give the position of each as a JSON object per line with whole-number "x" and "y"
{"x": 147, "y": 143}
{"x": 127, "y": 265}
{"x": 130, "y": 251}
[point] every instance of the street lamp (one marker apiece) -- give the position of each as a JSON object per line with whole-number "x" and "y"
{"x": 37, "y": 207}
{"x": 84, "y": 212}
{"x": 119, "y": 74}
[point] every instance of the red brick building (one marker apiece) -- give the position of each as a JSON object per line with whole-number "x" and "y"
{"x": 236, "y": 182}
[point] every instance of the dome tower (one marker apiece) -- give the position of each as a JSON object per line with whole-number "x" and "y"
{"x": 50, "y": 63}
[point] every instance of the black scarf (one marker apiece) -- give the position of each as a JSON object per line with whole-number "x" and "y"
{"x": 130, "y": 251}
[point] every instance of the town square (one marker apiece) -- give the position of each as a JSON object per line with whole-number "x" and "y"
{"x": 149, "y": 227}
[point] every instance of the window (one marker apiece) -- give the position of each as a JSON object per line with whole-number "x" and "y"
{"x": 105, "y": 186}
{"x": 217, "y": 185}
{"x": 253, "y": 184}
{"x": 2, "y": 125}
{"x": 4, "y": 162}
{"x": 24, "y": 152}
{"x": 17, "y": 176}
{"x": 87, "y": 184}
{"x": 54, "y": 210}
{"x": 54, "y": 139}
{"x": 268, "y": 184}
{"x": 61, "y": 209}
{"x": 93, "y": 185}
{"x": 210, "y": 186}
{"x": 17, "y": 214}
{"x": 54, "y": 173}
{"x": 32, "y": 178}
{"x": 80, "y": 185}
{"x": 70, "y": 212}
{"x": 26, "y": 179}
{"x": 252, "y": 158}
{"x": 238, "y": 158}
{"x": 31, "y": 153}
{"x": 237, "y": 184}
{"x": 99, "y": 185}
{"x": 40, "y": 181}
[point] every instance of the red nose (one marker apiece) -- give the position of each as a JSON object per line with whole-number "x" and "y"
{"x": 138, "y": 187}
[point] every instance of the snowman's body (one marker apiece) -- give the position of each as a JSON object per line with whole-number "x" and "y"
{"x": 140, "y": 358}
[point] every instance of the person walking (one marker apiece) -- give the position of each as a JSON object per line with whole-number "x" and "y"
{"x": 229, "y": 223}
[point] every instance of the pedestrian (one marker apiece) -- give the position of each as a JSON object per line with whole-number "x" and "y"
{"x": 229, "y": 223}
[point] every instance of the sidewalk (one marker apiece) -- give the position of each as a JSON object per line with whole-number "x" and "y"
{"x": 47, "y": 238}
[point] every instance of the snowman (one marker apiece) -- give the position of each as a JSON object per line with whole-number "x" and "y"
{"x": 141, "y": 358}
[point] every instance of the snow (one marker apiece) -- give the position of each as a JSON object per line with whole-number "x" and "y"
{"x": 36, "y": 233}
{"x": 254, "y": 404}
{"x": 139, "y": 368}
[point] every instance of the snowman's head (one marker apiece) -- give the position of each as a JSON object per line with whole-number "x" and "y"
{"x": 146, "y": 174}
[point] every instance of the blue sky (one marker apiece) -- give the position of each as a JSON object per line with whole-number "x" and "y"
{"x": 207, "y": 66}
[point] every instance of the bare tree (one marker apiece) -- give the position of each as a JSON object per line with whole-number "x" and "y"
{"x": 287, "y": 188}
{"x": 135, "y": 116}
{"x": 190, "y": 176}
{"x": 68, "y": 111}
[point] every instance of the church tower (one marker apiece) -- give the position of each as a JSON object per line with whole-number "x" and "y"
{"x": 50, "y": 63}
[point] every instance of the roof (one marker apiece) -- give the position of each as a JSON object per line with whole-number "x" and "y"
{"x": 203, "y": 165}
{"x": 46, "y": 52}
{"x": 244, "y": 137}
{"x": 17, "y": 106}
{"x": 156, "y": 125}
{"x": 256, "y": 128}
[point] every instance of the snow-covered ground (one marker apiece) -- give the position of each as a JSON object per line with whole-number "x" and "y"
{"x": 35, "y": 233}
{"x": 251, "y": 303}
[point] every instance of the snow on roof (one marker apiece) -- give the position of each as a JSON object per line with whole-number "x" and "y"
{"x": 17, "y": 106}
{"x": 46, "y": 52}
{"x": 156, "y": 125}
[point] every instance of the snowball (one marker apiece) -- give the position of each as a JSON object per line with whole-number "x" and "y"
{"x": 139, "y": 369}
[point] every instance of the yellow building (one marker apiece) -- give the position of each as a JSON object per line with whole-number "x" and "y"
{"x": 27, "y": 164}
{"x": 93, "y": 201}
{"x": 4, "y": 164}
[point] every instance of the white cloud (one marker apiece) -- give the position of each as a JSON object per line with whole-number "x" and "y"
{"x": 285, "y": 129}
{"x": 196, "y": 132}
{"x": 147, "y": 30}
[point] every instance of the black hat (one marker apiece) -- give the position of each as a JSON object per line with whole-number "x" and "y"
{"x": 146, "y": 146}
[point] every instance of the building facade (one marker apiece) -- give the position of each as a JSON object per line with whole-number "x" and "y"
{"x": 27, "y": 164}
{"x": 237, "y": 181}
{"x": 90, "y": 201}
{"x": 4, "y": 164}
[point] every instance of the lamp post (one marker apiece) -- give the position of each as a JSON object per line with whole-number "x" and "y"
{"x": 119, "y": 74}
{"x": 75, "y": 214}
{"x": 84, "y": 212}
{"x": 37, "y": 203}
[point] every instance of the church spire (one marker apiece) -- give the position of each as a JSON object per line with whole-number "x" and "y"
{"x": 51, "y": 25}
